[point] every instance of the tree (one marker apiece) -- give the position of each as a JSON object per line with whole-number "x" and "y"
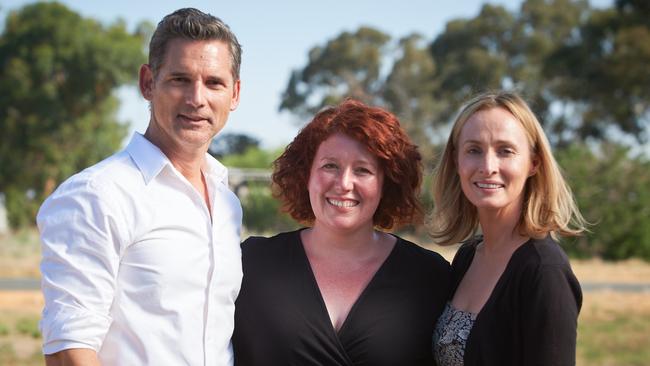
{"x": 347, "y": 66}
{"x": 351, "y": 65}
{"x": 58, "y": 72}
{"x": 409, "y": 92}
{"x": 603, "y": 74}
{"x": 231, "y": 144}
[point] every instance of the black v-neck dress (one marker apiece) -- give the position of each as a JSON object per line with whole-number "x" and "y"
{"x": 281, "y": 318}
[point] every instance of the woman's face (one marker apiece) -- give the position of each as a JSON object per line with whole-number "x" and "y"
{"x": 345, "y": 184}
{"x": 494, "y": 161}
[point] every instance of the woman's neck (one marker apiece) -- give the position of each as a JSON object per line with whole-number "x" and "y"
{"x": 359, "y": 244}
{"x": 500, "y": 231}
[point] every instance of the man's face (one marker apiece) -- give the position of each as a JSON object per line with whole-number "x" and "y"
{"x": 191, "y": 95}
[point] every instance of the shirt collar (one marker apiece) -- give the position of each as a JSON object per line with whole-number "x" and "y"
{"x": 150, "y": 160}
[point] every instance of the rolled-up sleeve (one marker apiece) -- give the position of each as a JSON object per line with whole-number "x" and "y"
{"x": 81, "y": 246}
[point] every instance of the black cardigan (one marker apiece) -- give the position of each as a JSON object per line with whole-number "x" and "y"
{"x": 531, "y": 316}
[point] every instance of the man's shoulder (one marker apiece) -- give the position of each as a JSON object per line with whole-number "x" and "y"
{"x": 117, "y": 169}
{"x": 103, "y": 183}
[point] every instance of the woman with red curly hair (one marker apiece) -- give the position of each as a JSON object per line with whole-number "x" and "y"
{"x": 342, "y": 291}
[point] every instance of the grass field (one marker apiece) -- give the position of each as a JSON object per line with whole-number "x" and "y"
{"x": 613, "y": 328}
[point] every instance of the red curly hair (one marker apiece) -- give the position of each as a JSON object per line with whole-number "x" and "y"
{"x": 380, "y": 132}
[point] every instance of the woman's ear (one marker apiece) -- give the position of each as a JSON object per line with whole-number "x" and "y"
{"x": 534, "y": 166}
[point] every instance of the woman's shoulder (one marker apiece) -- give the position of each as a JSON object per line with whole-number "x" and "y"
{"x": 418, "y": 254}
{"x": 543, "y": 261}
{"x": 262, "y": 245}
{"x": 467, "y": 248}
{"x": 544, "y": 252}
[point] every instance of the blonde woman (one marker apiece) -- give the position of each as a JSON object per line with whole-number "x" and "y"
{"x": 514, "y": 299}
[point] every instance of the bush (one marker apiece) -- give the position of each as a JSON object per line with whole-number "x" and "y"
{"x": 613, "y": 192}
{"x": 262, "y": 212}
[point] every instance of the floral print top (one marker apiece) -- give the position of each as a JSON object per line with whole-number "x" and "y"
{"x": 450, "y": 336}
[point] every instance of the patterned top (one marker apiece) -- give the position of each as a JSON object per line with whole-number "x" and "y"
{"x": 450, "y": 336}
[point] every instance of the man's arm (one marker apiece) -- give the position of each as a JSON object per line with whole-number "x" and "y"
{"x": 80, "y": 261}
{"x": 73, "y": 357}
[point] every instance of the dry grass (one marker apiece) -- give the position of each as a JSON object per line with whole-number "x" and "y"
{"x": 614, "y": 329}
{"x": 20, "y": 254}
{"x": 19, "y": 312}
{"x": 596, "y": 270}
{"x": 31, "y": 302}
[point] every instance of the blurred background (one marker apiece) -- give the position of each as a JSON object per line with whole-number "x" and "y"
{"x": 68, "y": 99}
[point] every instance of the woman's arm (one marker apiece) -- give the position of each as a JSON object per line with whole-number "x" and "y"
{"x": 552, "y": 302}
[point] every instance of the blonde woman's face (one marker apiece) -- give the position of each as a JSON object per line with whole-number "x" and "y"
{"x": 494, "y": 161}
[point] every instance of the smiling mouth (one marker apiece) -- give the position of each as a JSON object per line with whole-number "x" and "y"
{"x": 489, "y": 185}
{"x": 344, "y": 203}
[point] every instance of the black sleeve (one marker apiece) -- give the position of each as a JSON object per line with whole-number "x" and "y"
{"x": 552, "y": 301}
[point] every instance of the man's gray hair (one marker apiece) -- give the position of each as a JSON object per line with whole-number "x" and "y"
{"x": 193, "y": 24}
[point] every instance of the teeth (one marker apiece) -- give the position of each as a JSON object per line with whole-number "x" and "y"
{"x": 488, "y": 185}
{"x": 345, "y": 203}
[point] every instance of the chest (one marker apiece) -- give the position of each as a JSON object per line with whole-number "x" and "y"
{"x": 176, "y": 246}
{"x": 340, "y": 287}
{"x": 478, "y": 283}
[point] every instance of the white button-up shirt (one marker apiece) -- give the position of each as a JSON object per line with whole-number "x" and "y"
{"x": 134, "y": 267}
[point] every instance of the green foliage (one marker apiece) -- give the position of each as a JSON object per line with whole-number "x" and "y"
{"x": 58, "y": 72}
{"x": 28, "y": 326}
{"x": 231, "y": 144}
{"x": 253, "y": 158}
{"x": 4, "y": 330}
{"x": 605, "y": 73}
{"x": 613, "y": 193}
{"x": 347, "y": 66}
{"x": 262, "y": 212}
{"x": 584, "y": 70}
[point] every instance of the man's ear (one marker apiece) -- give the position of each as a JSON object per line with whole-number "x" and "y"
{"x": 234, "y": 102}
{"x": 145, "y": 81}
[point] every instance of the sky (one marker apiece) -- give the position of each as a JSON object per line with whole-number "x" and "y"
{"x": 276, "y": 37}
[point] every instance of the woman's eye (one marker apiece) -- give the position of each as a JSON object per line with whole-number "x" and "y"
{"x": 329, "y": 166}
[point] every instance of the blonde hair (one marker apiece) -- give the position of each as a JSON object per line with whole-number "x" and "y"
{"x": 548, "y": 207}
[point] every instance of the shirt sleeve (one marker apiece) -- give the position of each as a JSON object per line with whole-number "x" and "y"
{"x": 81, "y": 248}
{"x": 552, "y": 303}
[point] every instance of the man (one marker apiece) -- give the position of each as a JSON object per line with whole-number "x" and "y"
{"x": 141, "y": 261}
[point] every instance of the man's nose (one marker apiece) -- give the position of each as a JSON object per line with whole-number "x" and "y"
{"x": 195, "y": 95}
